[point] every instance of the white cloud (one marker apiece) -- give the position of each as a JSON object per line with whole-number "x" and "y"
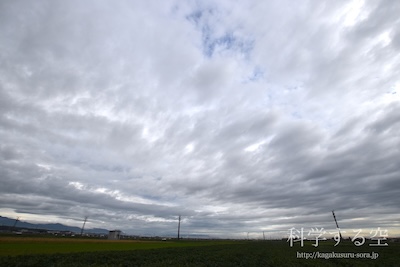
{"x": 240, "y": 116}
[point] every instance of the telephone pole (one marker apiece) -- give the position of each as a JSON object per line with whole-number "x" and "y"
{"x": 337, "y": 225}
{"x": 83, "y": 226}
{"x": 16, "y": 221}
{"x": 179, "y": 226}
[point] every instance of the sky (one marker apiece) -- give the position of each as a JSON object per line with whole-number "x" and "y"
{"x": 240, "y": 116}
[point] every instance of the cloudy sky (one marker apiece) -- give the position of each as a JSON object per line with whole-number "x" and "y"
{"x": 241, "y": 116}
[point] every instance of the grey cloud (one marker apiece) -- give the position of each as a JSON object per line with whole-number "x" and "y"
{"x": 132, "y": 114}
{"x": 388, "y": 123}
{"x": 396, "y": 38}
{"x": 382, "y": 15}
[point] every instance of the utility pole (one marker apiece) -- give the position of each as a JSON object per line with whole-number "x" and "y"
{"x": 179, "y": 226}
{"x": 263, "y": 236}
{"x": 337, "y": 225}
{"x": 83, "y": 226}
{"x": 16, "y": 221}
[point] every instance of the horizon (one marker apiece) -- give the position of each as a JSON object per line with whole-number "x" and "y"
{"x": 270, "y": 235}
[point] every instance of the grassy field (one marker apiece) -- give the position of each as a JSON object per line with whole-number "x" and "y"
{"x": 89, "y": 252}
{"x": 13, "y": 246}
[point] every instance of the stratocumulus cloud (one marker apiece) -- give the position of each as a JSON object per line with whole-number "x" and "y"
{"x": 241, "y": 117}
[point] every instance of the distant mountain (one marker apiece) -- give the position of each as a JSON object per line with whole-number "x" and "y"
{"x": 4, "y": 221}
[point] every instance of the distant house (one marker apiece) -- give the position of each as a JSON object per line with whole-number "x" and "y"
{"x": 114, "y": 235}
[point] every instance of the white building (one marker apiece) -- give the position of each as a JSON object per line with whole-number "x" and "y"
{"x": 114, "y": 235}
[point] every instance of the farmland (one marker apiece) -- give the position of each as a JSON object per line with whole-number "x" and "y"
{"x": 14, "y": 246}
{"x": 90, "y": 252}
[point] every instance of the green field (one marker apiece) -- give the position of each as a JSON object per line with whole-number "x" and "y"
{"x": 13, "y": 246}
{"x": 19, "y": 251}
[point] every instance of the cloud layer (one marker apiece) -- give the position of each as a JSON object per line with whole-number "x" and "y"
{"x": 241, "y": 117}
